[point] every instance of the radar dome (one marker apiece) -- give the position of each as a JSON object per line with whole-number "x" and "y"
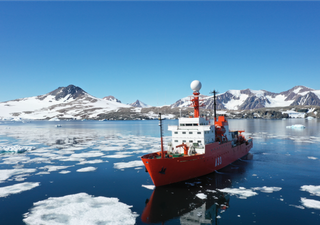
{"x": 195, "y": 85}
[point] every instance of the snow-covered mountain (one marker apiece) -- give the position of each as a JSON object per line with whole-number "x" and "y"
{"x": 139, "y": 104}
{"x": 251, "y": 99}
{"x": 111, "y": 98}
{"x": 64, "y": 102}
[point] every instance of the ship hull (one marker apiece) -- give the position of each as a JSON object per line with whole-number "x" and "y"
{"x": 165, "y": 171}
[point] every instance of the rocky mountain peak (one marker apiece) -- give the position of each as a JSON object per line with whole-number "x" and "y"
{"x": 71, "y": 92}
{"x": 111, "y": 98}
{"x": 138, "y": 103}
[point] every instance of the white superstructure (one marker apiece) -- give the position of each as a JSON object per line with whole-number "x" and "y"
{"x": 192, "y": 132}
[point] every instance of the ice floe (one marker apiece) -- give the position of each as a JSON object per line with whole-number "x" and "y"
{"x": 7, "y": 173}
{"x": 296, "y": 126}
{"x": 310, "y": 203}
{"x": 17, "y": 188}
{"x": 311, "y": 157}
{"x": 50, "y": 168}
{"x": 80, "y": 208}
{"x": 201, "y": 196}
{"x": 15, "y": 148}
{"x": 90, "y": 162}
{"x": 267, "y": 189}
{"x": 87, "y": 169}
{"x": 124, "y": 165}
{"x": 312, "y": 189}
{"x": 151, "y": 187}
{"x": 242, "y": 193}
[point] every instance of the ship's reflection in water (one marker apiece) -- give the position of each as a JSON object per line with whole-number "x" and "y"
{"x": 196, "y": 201}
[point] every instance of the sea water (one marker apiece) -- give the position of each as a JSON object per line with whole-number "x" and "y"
{"x": 90, "y": 172}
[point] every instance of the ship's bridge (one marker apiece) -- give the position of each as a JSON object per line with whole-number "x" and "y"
{"x": 192, "y": 131}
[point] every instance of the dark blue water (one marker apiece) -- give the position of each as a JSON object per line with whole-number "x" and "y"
{"x": 264, "y": 190}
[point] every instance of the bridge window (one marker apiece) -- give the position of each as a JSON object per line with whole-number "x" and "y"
{"x": 176, "y": 132}
{"x": 198, "y": 132}
{"x": 175, "y": 140}
{"x": 183, "y": 132}
{"x": 190, "y": 132}
{"x": 184, "y": 141}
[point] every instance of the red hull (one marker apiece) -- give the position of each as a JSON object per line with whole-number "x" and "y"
{"x": 171, "y": 170}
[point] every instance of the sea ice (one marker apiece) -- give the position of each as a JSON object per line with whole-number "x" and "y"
{"x": 201, "y": 196}
{"x": 312, "y": 189}
{"x": 296, "y": 126}
{"x": 87, "y": 169}
{"x": 17, "y": 188}
{"x": 151, "y": 187}
{"x": 5, "y": 174}
{"x": 124, "y": 165}
{"x": 15, "y": 148}
{"x": 267, "y": 189}
{"x": 311, "y": 157}
{"x": 241, "y": 193}
{"x": 90, "y": 162}
{"x": 79, "y": 209}
{"x": 310, "y": 203}
{"x": 53, "y": 168}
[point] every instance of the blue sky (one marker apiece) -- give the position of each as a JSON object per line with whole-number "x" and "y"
{"x": 151, "y": 51}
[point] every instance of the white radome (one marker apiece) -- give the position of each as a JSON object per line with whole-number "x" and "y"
{"x": 195, "y": 85}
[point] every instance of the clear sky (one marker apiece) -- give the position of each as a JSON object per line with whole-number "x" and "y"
{"x": 151, "y": 51}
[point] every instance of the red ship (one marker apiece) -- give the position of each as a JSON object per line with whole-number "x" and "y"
{"x": 197, "y": 148}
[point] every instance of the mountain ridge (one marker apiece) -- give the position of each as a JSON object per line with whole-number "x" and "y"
{"x": 73, "y": 102}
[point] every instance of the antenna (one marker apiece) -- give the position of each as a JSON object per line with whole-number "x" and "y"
{"x": 214, "y": 92}
{"x": 160, "y": 124}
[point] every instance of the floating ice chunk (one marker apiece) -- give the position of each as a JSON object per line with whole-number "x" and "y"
{"x": 17, "y": 188}
{"x": 201, "y": 196}
{"x": 64, "y": 171}
{"x": 87, "y": 169}
{"x": 151, "y": 187}
{"x": 90, "y": 162}
{"x": 80, "y": 208}
{"x": 310, "y": 203}
{"x": 54, "y": 168}
{"x": 54, "y": 119}
{"x": 311, "y": 157}
{"x": 123, "y": 165}
{"x": 312, "y": 189}
{"x": 296, "y": 126}
{"x": 5, "y": 174}
{"x": 15, "y": 148}
{"x": 240, "y": 193}
{"x": 117, "y": 156}
{"x": 298, "y": 206}
{"x": 87, "y": 154}
{"x": 267, "y": 189}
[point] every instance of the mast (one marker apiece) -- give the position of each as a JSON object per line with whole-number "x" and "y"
{"x": 214, "y": 92}
{"x": 160, "y": 124}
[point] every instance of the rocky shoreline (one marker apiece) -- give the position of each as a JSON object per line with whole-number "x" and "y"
{"x": 174, "y": 113}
